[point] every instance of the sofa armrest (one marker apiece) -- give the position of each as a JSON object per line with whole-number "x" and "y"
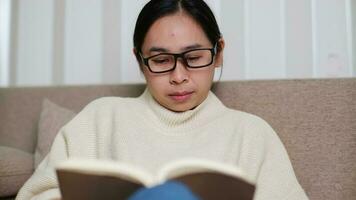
{"x": 16, "y": 166}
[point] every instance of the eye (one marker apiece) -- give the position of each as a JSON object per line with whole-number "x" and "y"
{"x": 193, "y": 58}
{"x": 160, "y": 60}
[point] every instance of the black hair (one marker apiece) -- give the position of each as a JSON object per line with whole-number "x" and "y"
{"x": 156, "y": 9}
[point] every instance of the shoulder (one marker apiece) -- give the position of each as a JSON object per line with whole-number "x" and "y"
{"x": 249, "y": 125}
{"x": 246, "y": 118}
{"x": 99, "y": 114}
{"x": 110, "y": 103}
{"x": 103, "y": 108}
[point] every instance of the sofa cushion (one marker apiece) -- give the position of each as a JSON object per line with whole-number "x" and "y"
{"x": 52, "y": 118}
{"x": 16, "y": 166}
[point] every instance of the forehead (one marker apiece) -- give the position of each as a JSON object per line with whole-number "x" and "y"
{"x": 174, "y": 32}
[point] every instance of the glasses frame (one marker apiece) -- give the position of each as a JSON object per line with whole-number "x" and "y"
{"x": 179, "y": 55}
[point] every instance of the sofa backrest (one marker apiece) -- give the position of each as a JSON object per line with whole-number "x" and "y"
{"x": 20, "y": 108}
{"x": 315, "y": 119}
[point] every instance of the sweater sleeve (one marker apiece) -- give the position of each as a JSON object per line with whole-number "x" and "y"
{"x": 43, "y": 183}
{"x": 276, "y": 178}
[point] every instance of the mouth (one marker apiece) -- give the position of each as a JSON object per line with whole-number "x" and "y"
{"x": 181, "y": 96}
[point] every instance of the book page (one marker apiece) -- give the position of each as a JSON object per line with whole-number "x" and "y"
{"x": 192, "y": 165}
{"x": 107, "y": 168}
{"x": 209, "y": 180}
{"x": 77, "y": 185}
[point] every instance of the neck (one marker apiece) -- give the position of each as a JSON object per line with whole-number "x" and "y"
{"x": 185, "y": 120}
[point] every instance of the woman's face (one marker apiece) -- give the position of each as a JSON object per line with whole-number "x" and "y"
{"x": 183, "y": 88}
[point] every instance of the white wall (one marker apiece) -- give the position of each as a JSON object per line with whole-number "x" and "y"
{"x": 5, "y": 16}
{"x": 352, "y": 12}
{"x": 90, "y": 41}
{"x": 331, "y": 52}
{"x": 129, "y": 70}
{"x": 83, "y": 42}
{"x": 111, "y": 54}
{"x": 298, "y": 39}
{"x": 264, "y": 39}
{"x": 34, "y": 45}
{"x": 232, "y": 16}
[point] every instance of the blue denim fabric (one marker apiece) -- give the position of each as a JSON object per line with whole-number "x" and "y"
{"x": 171, "y": 190}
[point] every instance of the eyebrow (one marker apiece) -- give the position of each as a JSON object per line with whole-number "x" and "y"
{"x": 194, "y": 46}
{"x": 164, "y": 50}
{"x": 158, "y": 49}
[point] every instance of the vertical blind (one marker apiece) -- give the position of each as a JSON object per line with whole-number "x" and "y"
{"x": 90, "y": 41}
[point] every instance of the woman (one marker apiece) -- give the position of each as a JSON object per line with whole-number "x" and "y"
{"x": 178, "y": 45}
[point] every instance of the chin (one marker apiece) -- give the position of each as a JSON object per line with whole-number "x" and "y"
{"x": 181, "y": 108}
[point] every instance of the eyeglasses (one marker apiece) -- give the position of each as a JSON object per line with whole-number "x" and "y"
{"x": 165, "y": 62}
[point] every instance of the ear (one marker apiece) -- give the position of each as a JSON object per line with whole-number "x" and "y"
{"x": 219, "y": 57}
{"x": 138, "y": 58}
{"x": 135, "y": 52}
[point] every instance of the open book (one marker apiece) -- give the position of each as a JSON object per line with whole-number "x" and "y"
{"x": 96, "y": 179}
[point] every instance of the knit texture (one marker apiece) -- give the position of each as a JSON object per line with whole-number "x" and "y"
{"x": 141, "y": 132}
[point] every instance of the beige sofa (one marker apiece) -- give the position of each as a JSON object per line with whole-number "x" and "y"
{"x": 316, "y": 120}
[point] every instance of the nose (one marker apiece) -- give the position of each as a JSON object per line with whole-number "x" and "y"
{"x": 180, "y": 74}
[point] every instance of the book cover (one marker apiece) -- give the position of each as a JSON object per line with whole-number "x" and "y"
{"x": 97, "y": 179}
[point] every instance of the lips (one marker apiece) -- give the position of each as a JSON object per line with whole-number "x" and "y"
{"x": 181, "y": 96}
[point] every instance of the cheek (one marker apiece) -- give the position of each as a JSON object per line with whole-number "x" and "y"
{"x": 205, "y": 77}
{"x": 156, "y": 83}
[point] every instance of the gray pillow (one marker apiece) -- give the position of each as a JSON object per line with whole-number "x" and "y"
{"x": 16, "y": 166}
{"x": 53, "y": 117}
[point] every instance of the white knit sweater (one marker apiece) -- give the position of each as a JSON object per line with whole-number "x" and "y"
{"x": 141, "y": 132}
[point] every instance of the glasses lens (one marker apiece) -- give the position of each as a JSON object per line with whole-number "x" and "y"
{"x": 198, "y": 58}
{"x": 161, "y": 63}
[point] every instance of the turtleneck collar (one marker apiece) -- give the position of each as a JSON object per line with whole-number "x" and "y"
{"x": 208, "y": 110}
